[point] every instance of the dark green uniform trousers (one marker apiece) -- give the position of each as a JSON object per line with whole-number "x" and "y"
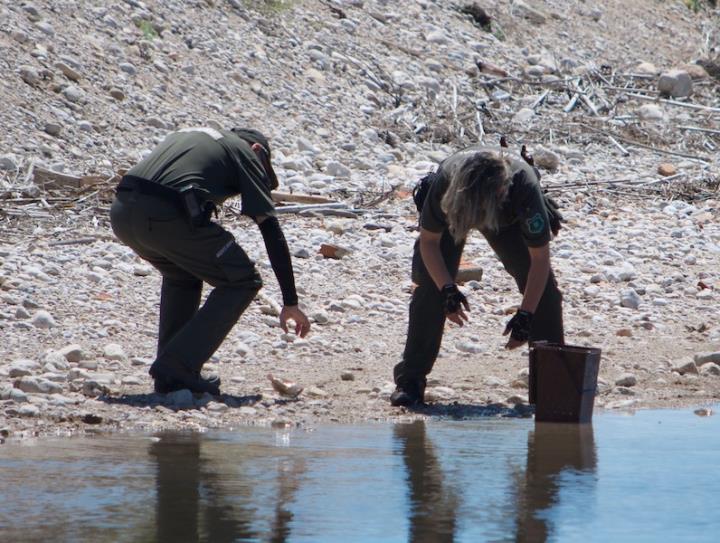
{"x": 427, "y": 319}
{"x": 186, "y": 257}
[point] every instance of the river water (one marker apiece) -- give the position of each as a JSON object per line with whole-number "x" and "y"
{"x": 647, "y": 476}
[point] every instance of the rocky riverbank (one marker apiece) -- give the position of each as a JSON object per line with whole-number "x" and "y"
{"x": 360, "y": 98}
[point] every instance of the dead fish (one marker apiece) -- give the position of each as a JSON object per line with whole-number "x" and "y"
{"x": 291, "y": 390}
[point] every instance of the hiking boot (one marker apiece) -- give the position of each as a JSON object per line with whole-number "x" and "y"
{"x": 169, "y": 378}
{"x": 165, "y": 386}
{"x": 406, "y": 397}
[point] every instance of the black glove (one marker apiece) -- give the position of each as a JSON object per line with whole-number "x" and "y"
{"x": 554, "y": 215}
{"x": 519, "y": 326}
{"x": 453, "y": 299}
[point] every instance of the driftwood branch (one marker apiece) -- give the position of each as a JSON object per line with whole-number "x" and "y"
{"x": 674, "y": 103}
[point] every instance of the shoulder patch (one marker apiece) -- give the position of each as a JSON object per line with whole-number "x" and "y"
{"x": 535, "y": 224}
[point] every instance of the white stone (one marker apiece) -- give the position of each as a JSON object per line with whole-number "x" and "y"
{"x": 630, "y": 298}
{"x": 72, "y": 353}
{"x": 113, "y": 351}
{"x": 650, "y": 112}
{"x": 43, "y": 320}
{"x": 523, "y": 115}
{"x": 470, "y": 347}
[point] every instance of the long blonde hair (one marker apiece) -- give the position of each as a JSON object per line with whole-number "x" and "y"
{"x": 474, "y": 196}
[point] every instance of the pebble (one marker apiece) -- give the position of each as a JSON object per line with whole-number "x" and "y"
{"x": 675, "y": 84}
{"x": 22, "y": 367}
{"x": 710, "y": 368}
{"x": 626, "y": 380}
{"x": 315, "y": 392}
{"x": 651, "y": 112}
{"x": 347, "y": 376}
{"x": 29, "y": 411}
{"x": 43, "y": 320}
{"x": 684, "y": 368}
{"x": 8, "y": 162}
{"x": 470, "y": 347}
{"x": 630, "y": 298}
{"x": 72, "y": 353}
{"x": 29, "y": 74}
{"x": 113, "y": 351}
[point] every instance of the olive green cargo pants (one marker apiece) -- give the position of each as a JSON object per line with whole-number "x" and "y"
{"x": 186, "y": 256}
{"x": 427, "y": 318}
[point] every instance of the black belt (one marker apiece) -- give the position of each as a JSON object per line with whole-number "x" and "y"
{"x": 197, "y": 209}
{"x": 151, "y": 188}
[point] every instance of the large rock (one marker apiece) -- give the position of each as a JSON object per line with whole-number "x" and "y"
{"x": 521, "y": 9}
{"x": 32, "y": 385}
{"x": 72, "y": 353}
{"x": 707, "y": 358}
{"x": 675, "y": 83}
{"x": 23, "y": 367}
{"x": 686, "y": 367}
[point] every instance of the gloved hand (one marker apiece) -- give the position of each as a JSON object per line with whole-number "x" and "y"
{"x": 554, "y": 215}
{"x": 453, "y": 299}
{"x": 519, "y": 326}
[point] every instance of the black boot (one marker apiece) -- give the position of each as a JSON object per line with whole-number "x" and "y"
{"x": 407, "y": 395}
{"x": 169, "y": 378}
{"x": 163, "y": 386}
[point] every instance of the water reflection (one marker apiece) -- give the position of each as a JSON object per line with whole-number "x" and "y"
{"x": 492, "y": 480}
{"x": 554, "y": 451}
{"x": 206, "y": 492}
{"x": 433, "y": 503}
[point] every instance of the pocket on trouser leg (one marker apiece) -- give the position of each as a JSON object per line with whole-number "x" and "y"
{"x": 236, "y": 267}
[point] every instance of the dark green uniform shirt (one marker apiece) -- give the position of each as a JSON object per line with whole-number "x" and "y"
{"x": 524, "y": 206}
{"x": 215, "y": 160}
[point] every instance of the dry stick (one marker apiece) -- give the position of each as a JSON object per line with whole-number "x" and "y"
{"x": 299, "y": 208}
{"x": 698, "y": 129}
{"x": 650, "y": 147}
{"x": 616, "y": 144}
{"x": 87, "y": 196}
{"x": 675, "y": 103}
{"x": 572, "y": 103}
{"x": 300, "y": 198}
{"x": 79, "y": 241}
{"x": 540, "y": 100}
{"x": 626, "y": 89}
{"x": 481, "y": 130}
{"x": 622, "y": 181}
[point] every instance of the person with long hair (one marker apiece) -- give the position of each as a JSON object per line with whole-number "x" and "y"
{"x": 484, "y": 189}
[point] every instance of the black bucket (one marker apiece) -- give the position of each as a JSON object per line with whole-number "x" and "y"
{"x": 562, "y": 381}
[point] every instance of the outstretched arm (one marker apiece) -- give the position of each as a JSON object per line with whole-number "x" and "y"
{"x": 445, "y": 283}
{"x": 279, "y": 255}
{"x": 534, "y": 287}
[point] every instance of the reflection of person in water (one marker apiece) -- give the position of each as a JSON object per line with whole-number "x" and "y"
{"x": 182, "y": 483}
{"x": 432, "y": 507}
{"x": 197, "y": 501}
{"x": 553, "y": 449}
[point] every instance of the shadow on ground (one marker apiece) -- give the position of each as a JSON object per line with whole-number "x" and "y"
{"x": 171, "y": 401}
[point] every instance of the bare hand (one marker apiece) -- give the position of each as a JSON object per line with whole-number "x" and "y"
{"x": 459, "y": 317}
{"x": 514, "y": 344}
{"x": 293, "y": 312}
